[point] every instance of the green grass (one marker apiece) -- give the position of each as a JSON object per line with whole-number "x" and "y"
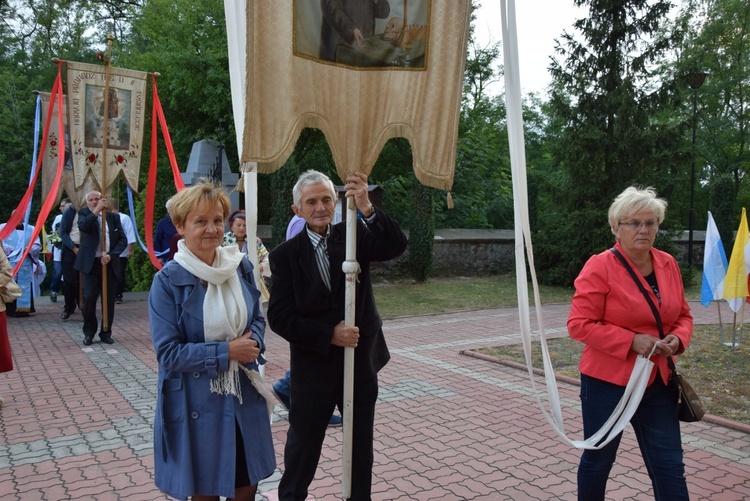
{"x": 442, "y": 295}
{"x": 719, "y": 373}
{"x": 400, "y": 298}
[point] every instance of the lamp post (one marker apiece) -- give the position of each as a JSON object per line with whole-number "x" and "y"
{"x": 694, "y": 80}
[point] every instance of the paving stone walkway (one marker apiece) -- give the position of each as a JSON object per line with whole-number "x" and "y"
{"x": 77, "y": 421}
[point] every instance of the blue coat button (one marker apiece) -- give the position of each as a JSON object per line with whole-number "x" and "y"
{"x": 194, "y": 415}
{"x": 196, "y": 375}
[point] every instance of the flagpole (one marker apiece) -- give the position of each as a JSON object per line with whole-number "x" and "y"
{"x": 350, "y": 267}
{"x": 721, "y": 326}
{"x": 739, "y": 327}
{"x": 105, "y": 140}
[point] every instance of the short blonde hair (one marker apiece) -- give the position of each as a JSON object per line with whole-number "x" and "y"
{"x": 189, "y": 198}
{"x": 634, "y": 200}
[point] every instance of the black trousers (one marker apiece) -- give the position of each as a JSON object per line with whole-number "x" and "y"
{"x": 308, "y": 422}
{"x": 121, "y": 280}
{"x": 71, "y": 281}
{"x": 92, "y": 289}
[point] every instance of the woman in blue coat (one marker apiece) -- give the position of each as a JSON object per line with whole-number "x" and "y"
{"x": 212, "y": 432}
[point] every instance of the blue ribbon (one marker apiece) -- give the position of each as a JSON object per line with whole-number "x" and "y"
{"x": 34, "y": 157}
{"x": 131, "y": 209}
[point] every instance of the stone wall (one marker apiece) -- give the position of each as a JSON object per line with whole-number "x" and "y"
{"x": 464, "y": 251}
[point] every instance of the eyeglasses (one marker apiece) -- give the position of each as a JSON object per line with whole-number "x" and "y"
{"x": 636, "y": 225}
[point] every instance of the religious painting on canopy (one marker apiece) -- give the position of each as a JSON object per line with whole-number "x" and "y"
{"x": 357, "y": 107}
{"x": 374, "y": 34}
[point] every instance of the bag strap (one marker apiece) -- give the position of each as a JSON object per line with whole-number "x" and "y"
{"x": 648, "y": 300}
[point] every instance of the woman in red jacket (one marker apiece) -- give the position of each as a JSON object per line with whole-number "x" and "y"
{"x": 612, "y": 318}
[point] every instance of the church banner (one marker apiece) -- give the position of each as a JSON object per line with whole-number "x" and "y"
{"x": 362, "y": 72}
{"x": 53, "y": 150}
{"x": 125, "y": 123}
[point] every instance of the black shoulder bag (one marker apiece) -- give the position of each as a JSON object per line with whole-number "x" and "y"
{"x": 689, "y": 405}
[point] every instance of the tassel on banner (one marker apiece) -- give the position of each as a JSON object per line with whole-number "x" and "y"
{"x": 449, "y": 200}
{"x": 240, "y": 187}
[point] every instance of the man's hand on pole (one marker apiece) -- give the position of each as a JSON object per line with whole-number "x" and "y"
{"x": 345, "y": 335}
{"x": 356, "y": 186}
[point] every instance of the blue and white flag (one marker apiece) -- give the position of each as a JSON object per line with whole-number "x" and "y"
{"x": 714, "y": 265}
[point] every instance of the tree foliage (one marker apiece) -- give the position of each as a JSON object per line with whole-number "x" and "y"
{"x": 723, "y": 210}
{"x": 282, "y": 182}
{"x": 716, "y": 42}
{"x": 607, "y": 106}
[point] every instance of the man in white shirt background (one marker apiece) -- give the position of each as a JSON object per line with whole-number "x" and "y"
{"x": 127, "y": 226}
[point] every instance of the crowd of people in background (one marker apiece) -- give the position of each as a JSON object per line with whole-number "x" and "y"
{"x": 62, "y": 247}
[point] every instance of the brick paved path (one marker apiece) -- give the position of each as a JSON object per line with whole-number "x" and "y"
{"x": 77, "y": 421}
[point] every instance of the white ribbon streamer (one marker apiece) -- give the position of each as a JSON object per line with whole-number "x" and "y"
{"x": 642, "y": 370}
{"x": 236, "y": 20}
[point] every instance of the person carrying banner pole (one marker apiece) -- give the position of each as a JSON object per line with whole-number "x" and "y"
{"x": 311, "y": 307}
{"x": 93, "y": 258}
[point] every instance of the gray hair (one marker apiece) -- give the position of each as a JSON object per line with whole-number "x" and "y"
{"x": 309, "y": 178}
{"x": 634, "y": 200}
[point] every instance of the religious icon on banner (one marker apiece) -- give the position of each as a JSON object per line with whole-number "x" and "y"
{"x": 363, "y": 33}
{"x": 123, "y": 122}
{"x": 118, "y": 125}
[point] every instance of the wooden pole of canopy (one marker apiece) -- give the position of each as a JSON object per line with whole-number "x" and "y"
{"x": 105, "y": 139}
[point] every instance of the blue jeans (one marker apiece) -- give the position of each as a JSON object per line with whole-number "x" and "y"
{"x": 656, "y": 428}
{"x": 283, "y": 385}
{"x": 56, "y": 284}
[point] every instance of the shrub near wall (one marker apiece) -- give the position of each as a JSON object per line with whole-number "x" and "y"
{"x": 422, "y": 232}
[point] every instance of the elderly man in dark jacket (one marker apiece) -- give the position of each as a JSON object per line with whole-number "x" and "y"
{"x": 307, "y": 309}
{"x": 91, "y": 259}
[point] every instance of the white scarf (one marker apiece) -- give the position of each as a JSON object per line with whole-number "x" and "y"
{"x": 224, "y": 308}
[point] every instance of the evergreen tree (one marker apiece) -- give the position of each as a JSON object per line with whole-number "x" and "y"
{"x": 607, "y": 106}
